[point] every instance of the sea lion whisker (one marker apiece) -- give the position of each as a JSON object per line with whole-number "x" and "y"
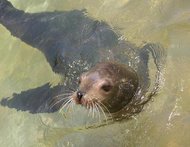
{"x": 101, "y": 109}
{"x": 63, "y": 94}
{"x": 89, "y": 111}
{"x": 65, "y": 104}
{"x": 65, "y": 107}
{"x": 72, "y": 102}
{"x": 93, "y": 106}
{"x": 98, "y": 112}
{"x": 110, "y": 115}
{"x": 58, "y": 97}
{"x": 106, "y": 109}
{"x": 53, "y": 104}
{"x": 69, "y": 106}
{"x": 88, "y": 106}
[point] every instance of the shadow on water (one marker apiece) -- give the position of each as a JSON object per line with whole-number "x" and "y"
{"x": 37, "y": 100}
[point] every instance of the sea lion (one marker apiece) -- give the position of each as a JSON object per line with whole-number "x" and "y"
{"x": 73, "y": 42}
{"x": 110, "y": 84}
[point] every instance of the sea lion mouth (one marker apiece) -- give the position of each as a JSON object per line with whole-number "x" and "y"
{"x": 79, "y": 99}
{"x": 109, "y": 105}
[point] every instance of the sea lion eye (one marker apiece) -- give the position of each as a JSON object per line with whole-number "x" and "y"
{"x": 106, "y": 87}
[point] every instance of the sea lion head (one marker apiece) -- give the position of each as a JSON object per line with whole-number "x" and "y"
{"x": 108, "y": 85}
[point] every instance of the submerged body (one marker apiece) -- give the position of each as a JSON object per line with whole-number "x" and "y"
{"x": 72, "y": 43}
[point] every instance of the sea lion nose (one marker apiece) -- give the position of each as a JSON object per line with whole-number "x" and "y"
{"x": 79, "y": 95}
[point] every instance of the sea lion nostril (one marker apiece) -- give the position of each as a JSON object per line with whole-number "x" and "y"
{"x": 79, "y": 95}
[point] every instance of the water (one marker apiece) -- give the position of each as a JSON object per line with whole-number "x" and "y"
{"x": 164, "y": 121}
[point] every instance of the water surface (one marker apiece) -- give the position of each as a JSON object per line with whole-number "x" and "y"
{"x": 164, "y": 121}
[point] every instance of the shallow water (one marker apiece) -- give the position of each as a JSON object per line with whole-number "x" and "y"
{"x": 164, "y": 121}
